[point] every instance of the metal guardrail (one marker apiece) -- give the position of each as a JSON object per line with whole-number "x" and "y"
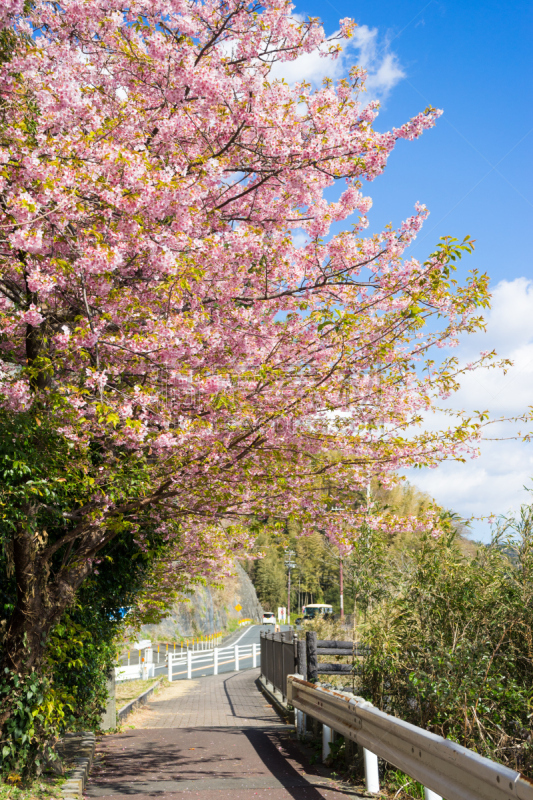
{"x": 444, "y": 768}
{"x": 212, "y": 659}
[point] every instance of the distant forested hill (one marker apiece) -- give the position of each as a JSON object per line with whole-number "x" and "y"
{"x": 316, "y": 576}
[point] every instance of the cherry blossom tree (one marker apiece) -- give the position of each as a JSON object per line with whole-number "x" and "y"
{"x": 188, "y": 361}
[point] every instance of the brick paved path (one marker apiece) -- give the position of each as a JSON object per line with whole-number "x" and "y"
{"x": 231, "y": 700}
{"x": 212, "y": 738}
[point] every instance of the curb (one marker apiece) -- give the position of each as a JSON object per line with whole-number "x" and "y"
{"x": 276, "y": 697}
{"x": 77, "y": 775}
{"x": 126, "y": 710}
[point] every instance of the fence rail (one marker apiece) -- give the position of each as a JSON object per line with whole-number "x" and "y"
{"x": 444, "y": 768}
{"x": 285, "y": 653}
{"x": 147, "y": 659}
{"x": 279, "y": 658}
{"x": 243, "y": 656}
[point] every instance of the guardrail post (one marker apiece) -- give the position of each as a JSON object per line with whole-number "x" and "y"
{"x": 189, "y": 664}
{"x": 371, "y": 771}
{"x": 236, "y": 657}
{"x": 327, "y": 738}
{"x": 170, "y": 667}
{"x": 429, "y": 794}
{"x": 300, "y": 723}
{"x": 215, "y": 661}
{"x": 254, "y": 655}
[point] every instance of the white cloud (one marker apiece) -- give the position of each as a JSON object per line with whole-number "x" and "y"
{"x": 300, "y": 238}
{"x": 494, "y": 482}
{"x": 510, "y": 333}
{"x": 364, "y": 48}
{"x": 381, "y": 81}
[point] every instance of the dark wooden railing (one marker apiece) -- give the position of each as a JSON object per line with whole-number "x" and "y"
{"x": 285, "y": 654}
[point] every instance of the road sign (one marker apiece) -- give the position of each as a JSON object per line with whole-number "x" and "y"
{"x": 238, "y": 607}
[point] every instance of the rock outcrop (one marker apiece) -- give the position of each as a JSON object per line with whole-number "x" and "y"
{"x": 208, "y": 610}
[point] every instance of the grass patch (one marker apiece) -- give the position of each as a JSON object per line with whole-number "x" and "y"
{"x": 231, "y": 627}
{"x": 402, "y": 787}
{"x": 43, "y": 788}
{"x": 129, "y": 690}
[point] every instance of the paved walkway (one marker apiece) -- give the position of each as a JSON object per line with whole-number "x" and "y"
{"x": 217, "y": 701}
{"x": 212, "y": 738}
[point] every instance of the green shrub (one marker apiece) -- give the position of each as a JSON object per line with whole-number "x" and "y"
{"x": 31, "y": 728}
{"x": 452, "y": 645}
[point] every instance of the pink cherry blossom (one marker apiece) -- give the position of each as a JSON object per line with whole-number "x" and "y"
{"x": 32, "y": 316}
{"x": 147, "y": 239}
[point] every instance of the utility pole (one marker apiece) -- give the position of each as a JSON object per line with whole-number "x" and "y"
{"x": 341, "y": 573}
{"x": 289, "y": 598}
{"x": 341, "y": 582}
{"x": 290, "y": 564}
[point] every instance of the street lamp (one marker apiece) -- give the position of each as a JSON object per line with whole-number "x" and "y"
{"x": 290, "y": 564}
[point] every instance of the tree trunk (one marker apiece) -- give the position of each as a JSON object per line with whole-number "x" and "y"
{"x": 22, "y": 643}
{"x": 40, "y": 602}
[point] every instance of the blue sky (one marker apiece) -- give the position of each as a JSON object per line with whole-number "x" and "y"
{"x": 474, "y": 172}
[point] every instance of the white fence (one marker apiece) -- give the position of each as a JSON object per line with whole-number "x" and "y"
{"x": 144, "y": 669}
{"x": 131, "y": 672}
{"x": 186, "y": 662}
{"x": 242, "y": 656}
{"x": 444, "y": 768}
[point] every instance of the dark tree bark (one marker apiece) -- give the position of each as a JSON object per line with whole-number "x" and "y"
{"x": 41, "y": 600}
